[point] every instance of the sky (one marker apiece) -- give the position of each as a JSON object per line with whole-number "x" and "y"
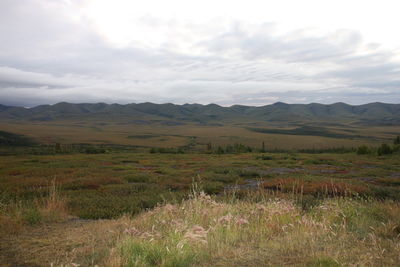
{"x": 247, "y": 52}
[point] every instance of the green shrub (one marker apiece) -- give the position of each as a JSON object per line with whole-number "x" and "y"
{"x": 396, "y": 148}
{"x": 32, "y": 216}
{"x": 137, "y": 178}
{"x": 320, "y": 161}
{"x": 362, "y": 150}
{"x": 397, "y": 140}
{"x": 384, "y": 149}
{"x": 213, "y": 187}
{"x": 265, "y": 157}
{"x": 95, "y": 150}
{"x": 248, "y": 174}
{"x": 166, "y": 150}
{"x": 222, "y": 170}
{"x": 384, "y": 192}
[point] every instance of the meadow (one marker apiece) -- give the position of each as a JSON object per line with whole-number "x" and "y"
{"x": 158, "y": 134}
{"x": 78, "y": 189}
{"x": 156, "y": 195}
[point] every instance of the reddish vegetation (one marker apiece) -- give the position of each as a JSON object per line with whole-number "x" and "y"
{"x": 91, "y": 183}
{"x": 14, "y": 173}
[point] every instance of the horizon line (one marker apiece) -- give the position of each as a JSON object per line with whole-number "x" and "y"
{"x": 166, "y": 103}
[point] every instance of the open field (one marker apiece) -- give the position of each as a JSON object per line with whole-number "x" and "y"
{"x": 109, "y": 185}
{"x": 92, "y": 194}
{"x": 159, "y": 135}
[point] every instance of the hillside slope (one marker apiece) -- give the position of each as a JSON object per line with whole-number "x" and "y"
{"x": 368, "y": 114}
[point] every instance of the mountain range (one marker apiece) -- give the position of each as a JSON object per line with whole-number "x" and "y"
{"x": 367, "y": 114}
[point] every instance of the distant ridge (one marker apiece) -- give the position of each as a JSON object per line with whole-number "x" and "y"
{"x": 368, "y": 114}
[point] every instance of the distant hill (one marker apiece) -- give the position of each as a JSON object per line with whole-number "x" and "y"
{"x": 368, "y": 114}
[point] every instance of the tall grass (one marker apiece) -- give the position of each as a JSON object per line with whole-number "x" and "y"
{"x": 17, "y": 214}
{"x": 270, "y": 232}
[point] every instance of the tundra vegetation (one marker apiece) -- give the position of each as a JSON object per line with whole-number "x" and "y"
{"x": 246, "y": 208}
{"x": 165, "y": 194}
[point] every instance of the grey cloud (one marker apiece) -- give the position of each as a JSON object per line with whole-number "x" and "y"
{"x": 295, "y": 46}
{"x": 45, "y": 57}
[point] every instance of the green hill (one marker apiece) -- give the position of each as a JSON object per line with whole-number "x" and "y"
{"x": 368, "y": 114}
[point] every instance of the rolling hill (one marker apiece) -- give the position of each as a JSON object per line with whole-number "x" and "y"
{"x": 375, "y": 114}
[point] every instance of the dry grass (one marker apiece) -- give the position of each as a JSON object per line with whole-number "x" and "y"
{"x": 68, "y": 244}
{"x": 322, "y": 187}
{"x": 17, "y": 215}
{"x": 201, "y": 232}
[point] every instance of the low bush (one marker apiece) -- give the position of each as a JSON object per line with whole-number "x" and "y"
{"x": 265, "y": 157}
{"x": 384, "y": 149}
{"x": 363, "y": 150}
{"x": 137, "y": 178}
{"x": 213, "y": 187}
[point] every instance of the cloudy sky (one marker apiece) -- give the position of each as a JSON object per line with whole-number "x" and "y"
{"x": 211, "y": 51}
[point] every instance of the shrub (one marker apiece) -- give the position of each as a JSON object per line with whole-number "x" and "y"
{"x": 248, "y": 174}
{"x": 381, "y": 192}
{"x": 397, "y": 140}
{"x": 32, "y": 216}
{"x": 213, "y": 187}
{"x": 137, "y": 178}
{"x": 384, "y": 149}
{"x": 166, "y": 150}
{"x": 265, "y": 157}
{"x": 362, "y": 150}
{"x": 95, "y": 150}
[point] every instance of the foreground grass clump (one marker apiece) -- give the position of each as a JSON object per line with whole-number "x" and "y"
{"x": 272, "y": 232}
{"x": 15, "y": 215}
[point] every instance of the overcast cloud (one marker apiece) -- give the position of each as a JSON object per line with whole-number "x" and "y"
{"x": 92, "y": 51}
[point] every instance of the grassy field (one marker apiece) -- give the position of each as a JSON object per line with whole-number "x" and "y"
{"x": 160, "y": 135}
{"x": 117, "y": 202}
{"x": 109, "y": 185}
